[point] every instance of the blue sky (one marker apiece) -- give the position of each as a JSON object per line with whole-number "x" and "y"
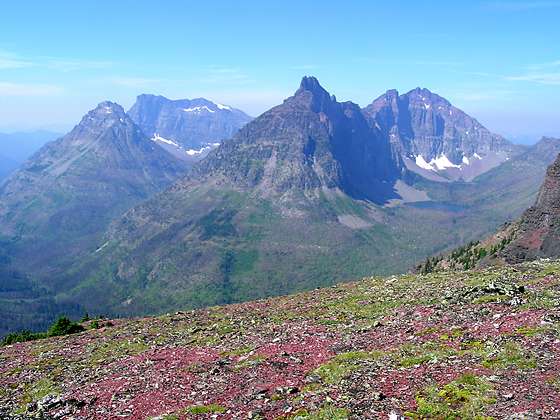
{"x": 498, "y": 60}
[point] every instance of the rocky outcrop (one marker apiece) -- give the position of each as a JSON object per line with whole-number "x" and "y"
{"x": 538, "y": 233}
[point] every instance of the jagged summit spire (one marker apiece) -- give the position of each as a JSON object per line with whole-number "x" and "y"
{"x": 311, "y": 84}
{"x": 320, "y": 98}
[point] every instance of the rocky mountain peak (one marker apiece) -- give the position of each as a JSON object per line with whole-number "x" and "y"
{"x": 108, "y": 108}
{"x": 104, "y": 116}
{"x": 436, "y": 139}
{"x": 425, "y": 96}
{"x": 319, "y": 98}
{"x": 311, "y": 84}
{"x": 307, "y": 143}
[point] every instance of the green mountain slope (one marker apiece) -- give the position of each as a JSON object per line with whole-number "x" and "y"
{"x": 285, "y": 207}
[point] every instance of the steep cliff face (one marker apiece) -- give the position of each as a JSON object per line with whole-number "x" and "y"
{"x": 538, "y": 231}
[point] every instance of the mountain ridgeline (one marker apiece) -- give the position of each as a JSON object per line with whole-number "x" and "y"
{"x": 313, "y": 191}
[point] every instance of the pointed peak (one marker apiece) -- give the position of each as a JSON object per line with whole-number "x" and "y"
{"x": 105, "y": 114}
{"x": 108, "y": 107}
{"x": 320, "y": 98}
{"x": 310, "y": 83}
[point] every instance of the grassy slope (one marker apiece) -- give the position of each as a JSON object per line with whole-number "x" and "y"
{"x": 445, "y": 345}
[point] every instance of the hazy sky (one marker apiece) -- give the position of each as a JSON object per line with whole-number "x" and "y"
{"x": 498, "y": 60}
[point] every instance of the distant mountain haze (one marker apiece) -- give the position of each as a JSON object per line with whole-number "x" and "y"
{"x": 57, "y": 205}
{"x": 191, "y": 127}
{"x": 15, "y": 148}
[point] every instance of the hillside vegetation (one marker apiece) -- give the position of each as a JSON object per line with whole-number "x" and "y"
{"x": 468, "y": 344}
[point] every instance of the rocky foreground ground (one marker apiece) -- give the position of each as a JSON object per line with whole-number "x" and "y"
{"x": 478, "y": 345}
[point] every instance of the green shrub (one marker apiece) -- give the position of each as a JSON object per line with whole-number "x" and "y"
{"x": 64, "y": 326}
{"x": 19, "y": 337}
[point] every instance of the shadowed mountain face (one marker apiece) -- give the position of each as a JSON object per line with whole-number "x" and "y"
{"x": 191, "y": 125}
{"x": 538, "y": 231}
{"x": 436, "y": 139}
{"x": 309, "y": 142}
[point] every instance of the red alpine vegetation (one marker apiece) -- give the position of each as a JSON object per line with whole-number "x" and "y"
{"x": 442, "y": 345}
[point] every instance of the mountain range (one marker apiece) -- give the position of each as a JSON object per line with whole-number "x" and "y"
{"x": 312, "y": 192}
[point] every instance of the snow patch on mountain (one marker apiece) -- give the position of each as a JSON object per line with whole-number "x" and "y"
{"x": 157, "y": 137}
{"x": 199, "y": 109}
{"x": 442, "y": 162}
{"x": 193, "y": 152}
{"x": 421, "y": 162}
